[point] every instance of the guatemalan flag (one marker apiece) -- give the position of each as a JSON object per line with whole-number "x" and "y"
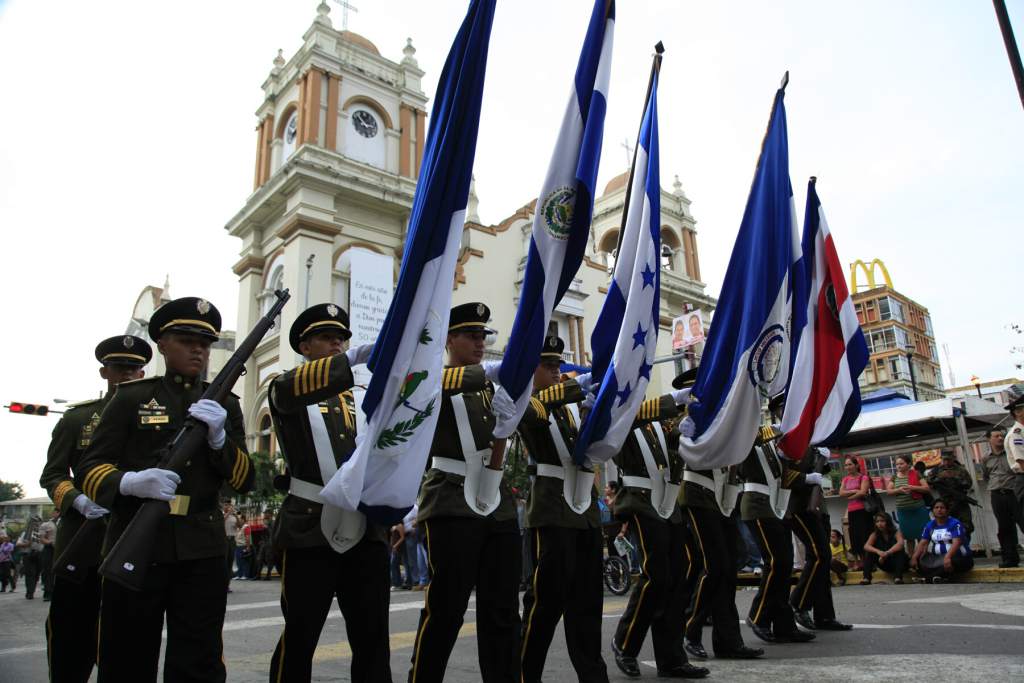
{"x": 823, "y": 397}
{"x": 402, "y": 402}
{"x": 747, "y": 353}
{"x": 627, "y": 330}
{"x": 561, "y": 221}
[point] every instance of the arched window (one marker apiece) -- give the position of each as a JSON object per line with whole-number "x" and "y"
{"x": 265, "y": 442}
{"x": 669, "y": 248}
{"x": 274, "y": 283}
{"x": 608, "y": 246}
{"x": 364, "y": 137}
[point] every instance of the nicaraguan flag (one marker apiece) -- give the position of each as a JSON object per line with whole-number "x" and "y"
{"x": 747, "y": 352}
{"x": 404, "y": 396}
{"x": 561, "y": 220}
{"x": 627, "y": 330}
{"x": 823, "y": 397}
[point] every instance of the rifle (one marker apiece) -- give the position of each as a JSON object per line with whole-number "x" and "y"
{"x": 132, "y": 554}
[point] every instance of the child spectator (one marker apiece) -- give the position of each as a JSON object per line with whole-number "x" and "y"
{"x": 838, "y": 546}
{"x": 884, "y": 548}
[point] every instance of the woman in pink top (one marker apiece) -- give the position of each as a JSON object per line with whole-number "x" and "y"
{"x": 855, "y": 489}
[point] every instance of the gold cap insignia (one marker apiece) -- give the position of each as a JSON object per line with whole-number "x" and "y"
{"x": 332, "y": 310}
{"x": 552, "y": 342}
{"x": 480, "y": 309}
{"x": 128, "y": 342}
{"x": 203, "y": 306}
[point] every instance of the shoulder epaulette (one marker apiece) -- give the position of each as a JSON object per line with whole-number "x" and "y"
{"x": 451, "y": 379}
{"x": 81, "y": 404}
{"x": 767, "y": 433}
{"x": 542, "y": 412}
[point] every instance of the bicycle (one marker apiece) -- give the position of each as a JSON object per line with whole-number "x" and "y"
{"x": 618, "y": 570}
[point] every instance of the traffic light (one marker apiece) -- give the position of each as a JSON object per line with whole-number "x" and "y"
{"x": 28, "y": 408}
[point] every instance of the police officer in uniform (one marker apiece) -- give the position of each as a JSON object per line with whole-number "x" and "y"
{"x": 121, "y": 467}
{"x": 328, "y": 553}
{"x": 1013, "y": 444}
{"x": 465, "y": 548}
{"x": 645, "y": 475}
{"x": 566, "y": 543}
{"x": 74, "y": 609}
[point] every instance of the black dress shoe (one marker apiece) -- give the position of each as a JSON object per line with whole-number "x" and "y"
{"x": 796, "y": 636}
{"x": 761, "y": 632}
{"x": 696, "y": 649}
{"x": 741, "y": 652}
{"x": 684, "y": 671}
{"x": 803, "y": 617}
{"x": 832, "y": 625}
{"x": 626, "y": 664}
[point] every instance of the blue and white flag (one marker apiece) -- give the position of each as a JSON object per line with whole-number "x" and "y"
{"x": 747, "y": 353}
{"x": 627, "y": 330}
{"x": 561, "y": 220}
{"x": 403, "y": 400}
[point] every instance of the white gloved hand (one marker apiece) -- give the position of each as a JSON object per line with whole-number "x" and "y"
{"x": 153, "y": 483}
{"x": 588, "y": 402}
{"x": 688, "y": 427}
{"x": 824, "y": 451}
{"x": 683, "y": 397}
{"x": 813, "y": 478}
{"x": 88, "y": 508}
{"x": 586, "y": 381}
{"x": 359, "y": 355}
{"x": 504, "y": 409}
{"x": 491, "y": 370}
{"x": 214, "y": 415}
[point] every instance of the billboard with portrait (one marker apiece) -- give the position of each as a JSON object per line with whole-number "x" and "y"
{"x": 687, "y": 330}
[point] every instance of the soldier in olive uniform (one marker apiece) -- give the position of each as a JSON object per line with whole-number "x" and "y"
{"x": 771, "y": 617}
{"x": 74, "y": 609}
{"x": 952, "y": 482}
{"x": 565, "y": 534}
{"x": 315, "y": 420}
{"x": 121, "y": 468}
{"x": 466, "y": 549}
{"x": 662, "y": 545}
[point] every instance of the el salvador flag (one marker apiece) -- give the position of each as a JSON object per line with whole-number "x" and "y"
{"x": 561, "y": 221}
{"x": 747, "y": 353}
{"x": 627, "y": 330}
{"x": 402, "y": 402}
{"x": 823, "y": 396}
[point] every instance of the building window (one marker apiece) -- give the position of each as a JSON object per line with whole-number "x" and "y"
{"x": 870, "y": 311}
{"x": 890, "y": 309}
{"x": 881, "y": 371}
{"x": 887, "y": 339}
{"x": 265, "y": 442}
{"x": 899, "y": 368}
{"x": 928, "y": 326}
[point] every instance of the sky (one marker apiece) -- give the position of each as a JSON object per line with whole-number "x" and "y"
{"x": 127, "y": 141}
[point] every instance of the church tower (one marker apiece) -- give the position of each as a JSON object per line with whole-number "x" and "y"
{"x": 339, "y": 141}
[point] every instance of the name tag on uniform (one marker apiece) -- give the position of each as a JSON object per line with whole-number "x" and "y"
{"x": 179, "y": 505}
{"x": 154, "y": 419}
{"x": 152, "y": 414}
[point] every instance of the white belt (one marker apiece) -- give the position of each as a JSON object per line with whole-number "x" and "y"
{"x": 449, "y": 465}
{"x": 305, "y": 490}
{"x": 699, "y": 480}
{"x": 552, "y": 471}
{"x": 756, "y": 488}
{"x": 637, "y": 482}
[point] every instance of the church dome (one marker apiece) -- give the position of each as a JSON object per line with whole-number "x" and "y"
{"x": 356, "y": 39}
{"x": 617, "y": 183}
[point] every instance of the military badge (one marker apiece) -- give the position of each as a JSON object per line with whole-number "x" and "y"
{"x": 128, "y": 342}
{"x": 480, "y": 310}
{"x": 332, "y": 310}
{"x": 203, "y": 306}
{"x": 557, "y": 211}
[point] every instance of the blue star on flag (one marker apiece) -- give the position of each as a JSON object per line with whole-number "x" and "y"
{"x": 645, "y": 370}
{"x": 639, "y": 337}
{"x": 624, "y": 394}
{"x": 648, "y": 276}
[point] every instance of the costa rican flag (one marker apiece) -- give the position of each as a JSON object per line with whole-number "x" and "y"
{"x": 561, "y": 221}
{"x": 823, "y": 396}
{"x": 747, "y": 353}
{"x": 402, "y": 401}
{"x": 627, "y": 329}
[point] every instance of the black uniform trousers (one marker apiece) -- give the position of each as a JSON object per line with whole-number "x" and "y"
{"x": 667, "y": 625}
{"x": 715, "y": 539}
{"x": 464, "y": 553}
{"x": 72, "y": 628}
{"x": 1007, "y": 512}
{"x": 567, "y": 582}
{"x": 814, "y": 587}
{"x": 651, "y": 592}
{"x": 312, "y": 579}
{"x": 770, "y": 607}
{"x": 31, "y": 567}
{"x": 193, "y": 595}
{"x": 46, "y": 569}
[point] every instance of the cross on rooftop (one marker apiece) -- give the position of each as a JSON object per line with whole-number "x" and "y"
{"x": 345, "y": 7}
{"x": 629, "y": 152}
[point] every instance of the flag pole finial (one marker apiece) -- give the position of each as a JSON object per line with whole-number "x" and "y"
{"x": 660, "y": 48}
{"x": 785, "y": 80}
{"x": 814, "y": 179}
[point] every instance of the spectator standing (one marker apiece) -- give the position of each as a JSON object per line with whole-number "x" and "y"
{"x": 908, "y": 489}
{"x": 952, "y": 482}
{"x": 837, "y": 545}
{"x": 47, "y": 535}
{"x": 6, "y": 563}
{"x": 1005, "y": 487}
{"x": 243, "y": 552}
{"x": 397, "y": 558}
{"x": 265, "y": 549}
{"x": 884, "y": 548}
{"x": 417, "y": 578}
{"x": 230, "y": 531}
{"x": 31, "y": 551}
{"x": 855, "y": 489}
{"x": 255, "y": 533}
{"x": 944, "y": 550}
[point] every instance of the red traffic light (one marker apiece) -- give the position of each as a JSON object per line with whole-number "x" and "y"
{"x": 28, "y": 408}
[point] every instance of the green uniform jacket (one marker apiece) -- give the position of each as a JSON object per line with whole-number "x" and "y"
{"x": 546, "y": 505}
{"x": 755, "y": 505}
{"x": 441, "y": 494}
{"x": 326, "y": 383}
{"x": 630, "y": 460}
{"x": 800, "y": 499}
{"x": 69, "y": 440}
{"x": 133, "y": 432}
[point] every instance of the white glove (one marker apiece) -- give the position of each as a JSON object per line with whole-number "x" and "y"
{"x": 687, "y": 427}
{"x": 153, "y": 483}
{"x": 502, "y": 405}
{"x": 359, "y": 355}
{"x": 89, "y": 509}
{"x": 214, "y": 415}
{"x": 824, "y": 451}
{"x": 491, "y": 370}
{"x": 588, "y": 402}
{"x": 586, "y": 382}
{"x": 682, "y": 397}
{"x": 813, "y": 478}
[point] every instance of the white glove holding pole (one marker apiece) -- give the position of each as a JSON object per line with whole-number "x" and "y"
{"x": 683, "y": 397}
{"x": 153, "y": 483}
{"x": 813, "y": 478}
{"x": 359, "y": 355}
{"x": 88, "y": 508}
{"x": 687, "y": 427}
{"x": 586, "y": 381}
{"x": 491, "y": 370}
{"x": 214, "y": 415}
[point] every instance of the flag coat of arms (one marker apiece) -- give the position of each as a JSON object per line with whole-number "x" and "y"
{"x": 747, "y": 353}
{"x": 561, "y": 221}
{"x": 402, "y": 401}
{"x": 823, "y": 396}
{"x": 626, "y": 332}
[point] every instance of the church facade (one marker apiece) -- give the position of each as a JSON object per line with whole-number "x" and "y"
{"x": 340, "y": 137}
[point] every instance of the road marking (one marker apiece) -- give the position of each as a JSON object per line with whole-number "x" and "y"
{"x": 1010, "y": 603}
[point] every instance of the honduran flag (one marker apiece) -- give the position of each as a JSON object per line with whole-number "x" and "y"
{"x": 823, "y": 396}
{"x": 561, "y": 220}
{"x": 403, "y": 399}
{"x": 627, "y": 329}
{"x": 747, "y": 353}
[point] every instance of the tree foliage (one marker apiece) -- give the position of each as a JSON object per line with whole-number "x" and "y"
{"x": 11, "y": 490}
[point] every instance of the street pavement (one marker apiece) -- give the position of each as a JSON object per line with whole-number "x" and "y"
{"x": 912, "y": 632}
